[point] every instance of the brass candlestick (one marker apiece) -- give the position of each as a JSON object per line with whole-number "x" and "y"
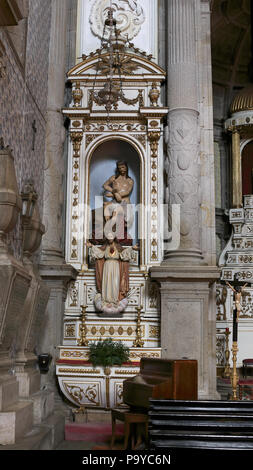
{"x": 234, "y": 376}
{"x": 138, "y": 343}
{"x": 83, "y": 330}
{"x": 227, "y": 372}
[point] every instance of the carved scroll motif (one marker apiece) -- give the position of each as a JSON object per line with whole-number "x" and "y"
{"x": 88, "y": 393}
{"x": 129, "y": 15}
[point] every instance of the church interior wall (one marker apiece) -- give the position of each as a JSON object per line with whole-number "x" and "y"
{"x": 23, "y": 102}
{"x": 24, "y": 65}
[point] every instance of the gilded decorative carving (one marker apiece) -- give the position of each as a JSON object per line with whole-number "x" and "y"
{"x": 115, "y": 127}
{"x": 90, "y": 138}
{"x": 76, "y": 138}
{"x": 74, "y": 241}
{"x": 126, "y": 372}
{"x": 77, "y": 94}
{"x": 111, "y": 330}
{"x": 83, "y": 341}
{"x": 127, "y": 66}
{"x": 87, "y": 393}
{"x": 78, "y": 371}
{"x": 141, "y": 138}
{"x": 154, "y": 95}
{"x": 70, "y": 331}
{"x": 154, "y": 331}
{"x": 154, "y": 124}
{"x": 139, "y": 355}
{"x": 120, "y": 330}
{"x": 121, "y": 97}
{"x": 154, "y": 137}
{"x": 74, "y": 354}
{"x": 73, "y": 254}
{"x": 76, "y": 124}
{"x": 138, "y": 342}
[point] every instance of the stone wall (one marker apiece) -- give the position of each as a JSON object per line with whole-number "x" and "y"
{"x": 23, "y": 97}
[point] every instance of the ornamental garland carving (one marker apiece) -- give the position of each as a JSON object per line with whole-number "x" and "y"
{"x": 105, "y": 127}
{"x": 129, "y": 15}
{"x": 88, "y": 393}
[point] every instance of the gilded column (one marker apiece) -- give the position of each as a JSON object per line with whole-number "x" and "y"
{"x": 183, "y": 134}
{"x": 237, "y": 171}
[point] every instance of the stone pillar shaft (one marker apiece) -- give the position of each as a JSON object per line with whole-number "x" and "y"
{"x": 237, "y": 170}
{"x": 53, "y": 269}
{"x": 187, "y": 286}
{"x": 183, "y": 129}
{"x": 54, "y": 167}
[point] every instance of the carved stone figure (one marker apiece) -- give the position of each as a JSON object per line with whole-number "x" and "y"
{"x": 118, "y": 188}
{"x": 112, "y": 275}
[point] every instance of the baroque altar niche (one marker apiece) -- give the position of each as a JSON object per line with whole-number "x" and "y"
{"x": 115, "y": 157}
{"x": 236, "y": 259}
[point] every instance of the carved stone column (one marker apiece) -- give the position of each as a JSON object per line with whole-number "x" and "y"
{"x": 53, "y": 269}
{"x": 55, "y": 136}
{"x": 183, "y": 129}
{"x": 187, "y": 283}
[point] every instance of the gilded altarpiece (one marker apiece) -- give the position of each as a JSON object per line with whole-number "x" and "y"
{"x": 134, "y": 127}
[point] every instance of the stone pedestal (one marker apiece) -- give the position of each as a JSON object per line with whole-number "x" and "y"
{"x": 188, "y": 319}
{"x": 57, "y": 279}
{"x": 14, "y": 286}
{"x": 28, "y": 333}
{"x": 16, "y": 416}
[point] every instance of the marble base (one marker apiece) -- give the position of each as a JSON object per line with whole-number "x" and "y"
{"x": 29, "y": 382}
{"x": 43, "y": 406}
{"x": 15, "y": 422}
{"x": 188, "y": 319}
{"x": 8, "y": 391}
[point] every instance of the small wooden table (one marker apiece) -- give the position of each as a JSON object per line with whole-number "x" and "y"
{"x": 130, "y": 417}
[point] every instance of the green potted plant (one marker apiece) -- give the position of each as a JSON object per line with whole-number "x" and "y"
{"x": 107, "y": 352}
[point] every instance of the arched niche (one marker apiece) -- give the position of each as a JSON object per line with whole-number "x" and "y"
{"x": 102, "y": 166}
{"x": 247, "y": 168}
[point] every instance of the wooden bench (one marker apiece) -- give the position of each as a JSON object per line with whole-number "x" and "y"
{"x": 129, "y": 417}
